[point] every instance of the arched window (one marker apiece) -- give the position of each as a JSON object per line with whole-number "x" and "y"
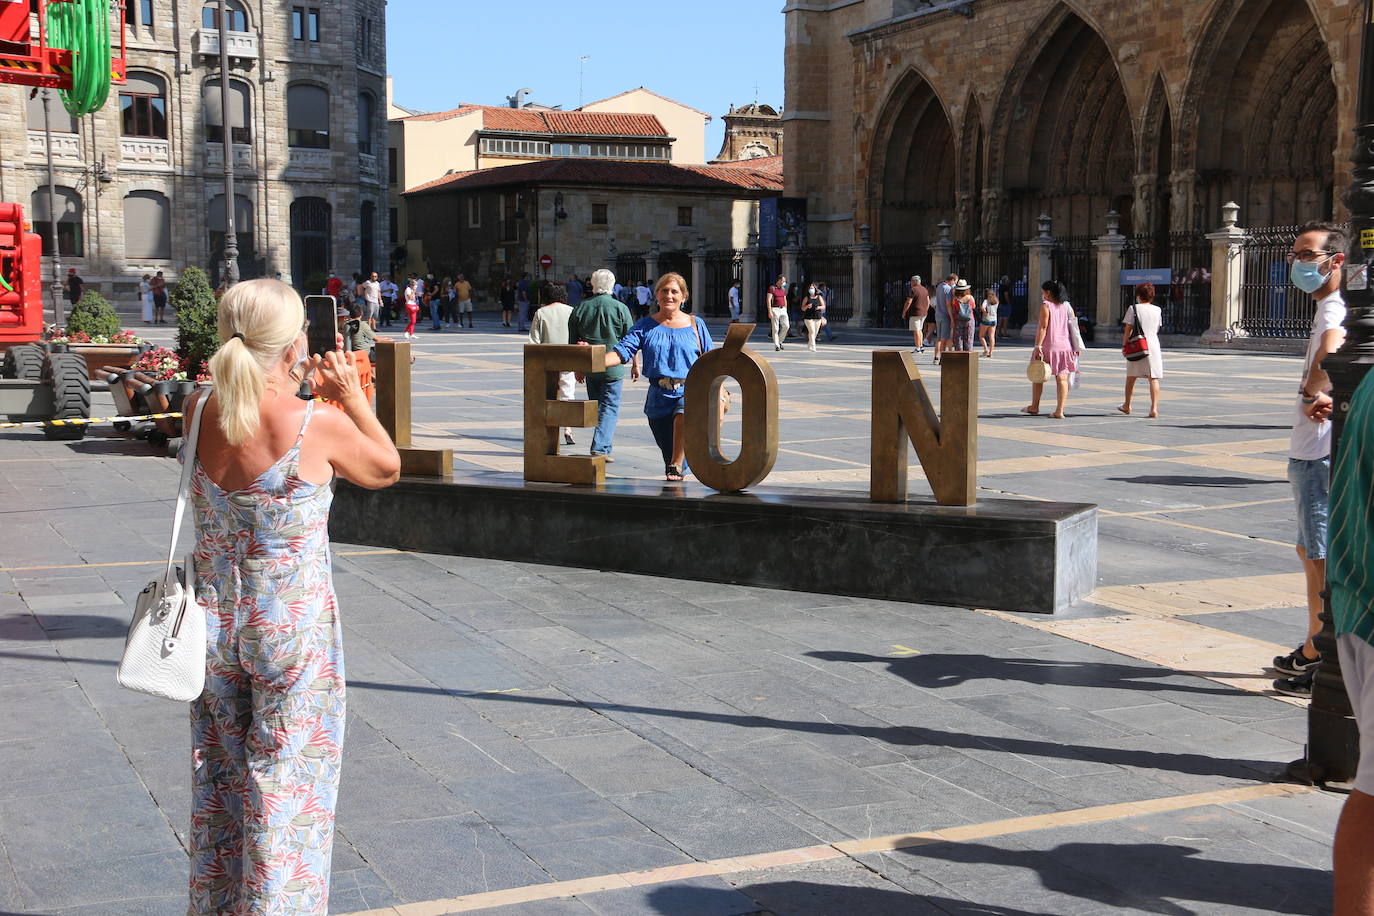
{"x": 147, "y": 226}
{"x": 62, "y": 121}
{"x": 311, "y": 222}
{"x": 307, "y": 117}
{"x": 143, "y": 106}
{"x": 69, "y": 218}
{"x": 240, "y": 112}
{"x": 367, "y": 233}
{"x": 236, "y": 19}
{"x": 367, "y": 111}
{"x": 243, "y": 228}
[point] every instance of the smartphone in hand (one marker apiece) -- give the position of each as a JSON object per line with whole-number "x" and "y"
{"x": 322, "y": 314}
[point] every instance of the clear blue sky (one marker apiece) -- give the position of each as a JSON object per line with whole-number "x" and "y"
{"x": 708, "y": 54}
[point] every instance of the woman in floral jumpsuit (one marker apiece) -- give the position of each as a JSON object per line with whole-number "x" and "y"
{"x": 268, "y": 730}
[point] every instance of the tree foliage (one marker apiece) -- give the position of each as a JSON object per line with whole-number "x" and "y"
{"x": 197, "y": 319}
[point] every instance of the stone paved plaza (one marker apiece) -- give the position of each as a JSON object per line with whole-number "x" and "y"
{"x": 534, "y": 740}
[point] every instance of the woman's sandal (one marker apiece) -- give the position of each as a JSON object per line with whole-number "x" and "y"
{"x": 1124, "y": 409}
{"x": 1033, "y": 413}
{"x": 673, "y": 472}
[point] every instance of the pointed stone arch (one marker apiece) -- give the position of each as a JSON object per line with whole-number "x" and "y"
{"x": 1150, "y": 211}
{"x": 912, "y": 174}
{"x": 969, "y": 221}
{"x": 1258, "y": 119}
{"x": 1065, "y": 142}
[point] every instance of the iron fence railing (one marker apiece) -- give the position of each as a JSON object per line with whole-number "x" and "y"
{"x": 723, "y": 267}
{"x": 995, "y": 264}
{"x": 629, "y": 268}
{"x": 893, "y": 268}
{"x": 835, "y": 268}
{"x": 1074, "y": 263}
{"x": 1271, "y": 306}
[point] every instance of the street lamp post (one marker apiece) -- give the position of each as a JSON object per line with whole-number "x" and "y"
{"x": 231, "y": 240}
{"x": 1333, "y": 747}
{"x": 54, "y": 239}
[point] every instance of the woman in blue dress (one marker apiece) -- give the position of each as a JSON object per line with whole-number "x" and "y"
{"x": 669, "y": 342}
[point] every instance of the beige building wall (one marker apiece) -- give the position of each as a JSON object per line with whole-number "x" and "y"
{"x": 686, "y": 125}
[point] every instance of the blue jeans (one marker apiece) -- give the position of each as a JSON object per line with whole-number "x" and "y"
{"x": 662, "y": 428}
{"x": 434, "y": 312}
{"x": 606, "y": 393}
{"x": 1311, "y": 480}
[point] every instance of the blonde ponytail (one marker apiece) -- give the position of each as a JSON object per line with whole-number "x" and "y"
{"x": 258, "y": 321}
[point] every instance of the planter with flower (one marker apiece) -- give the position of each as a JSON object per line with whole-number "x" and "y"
{"x": 93, "y": 332}
{"x": 165, "y": 375}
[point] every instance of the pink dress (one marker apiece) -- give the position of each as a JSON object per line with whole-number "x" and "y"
{"x": 1057, "y": 347}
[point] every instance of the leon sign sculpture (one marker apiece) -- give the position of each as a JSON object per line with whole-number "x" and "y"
{"x": 946, "y": 445}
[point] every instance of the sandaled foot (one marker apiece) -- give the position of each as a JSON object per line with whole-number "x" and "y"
{"x": 1057, "y": 415}
{"x": 1033, "y": 413}
{"x": 1124, "y": 409}
{"x": 673, "y": 472}
{"x": 1154, "y": 415}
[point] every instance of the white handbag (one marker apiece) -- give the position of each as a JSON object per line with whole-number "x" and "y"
{"x": 164, "y": 654}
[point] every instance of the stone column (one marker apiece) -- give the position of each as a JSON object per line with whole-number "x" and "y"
{"x": 749, "y": 289}
{"x": 699, "y": 277}
{"x": 1228, "y": 268}
{"x": 941, "y": 254}
{"x": 651, "y": 262}
{"x": 791, "y": 259}
{"x": 1040, "y": 268}
{"x": 1109, "y": 248}
{"x": 862, "y": 254}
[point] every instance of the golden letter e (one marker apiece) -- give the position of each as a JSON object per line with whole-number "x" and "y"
{"x": 947, "y": 446}
{"x": 759, "y": 409}
{"x": 545, "y": 414}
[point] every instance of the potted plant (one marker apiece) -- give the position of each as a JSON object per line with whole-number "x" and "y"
{"x": 93, "y": 331}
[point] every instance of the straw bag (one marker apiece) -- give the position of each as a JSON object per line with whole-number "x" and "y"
{"x": 164, "y": 654}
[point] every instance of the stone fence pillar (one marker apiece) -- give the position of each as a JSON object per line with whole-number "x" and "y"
{"x": 611, "y": 257}
{"x": 1109, "y": 248}
{"x": 941, "y": 255}
{"x": 1228, "y": 268}
{"x": 862, "y": 296}
{"x": 1040, "y": 268}
{"x": 749, "y": 290}
{"x": 651, "y": 262}
{"x": 791, "y": 260}
{"x": 698, "y": 280}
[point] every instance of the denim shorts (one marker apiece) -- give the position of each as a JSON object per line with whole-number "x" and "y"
{"x": 1311, "y": 480}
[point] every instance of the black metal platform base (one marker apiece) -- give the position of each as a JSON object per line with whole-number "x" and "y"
{"x": 1001, "y": 554}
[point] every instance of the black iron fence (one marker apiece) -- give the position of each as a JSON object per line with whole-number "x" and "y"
{"x": 1073, "y": 262}
{"x": 835, "y": 268}
{"x": 1271, "y": 306}
{"x": 723, "y": 267}
{"x": 995, "y": 263}
{"x": 679, "y": 262}
{"x": 1186, "y": 302}
{"x": 769, "y": 266}
{"x": 629, "y": 268}
{"x": 893, "y": 268}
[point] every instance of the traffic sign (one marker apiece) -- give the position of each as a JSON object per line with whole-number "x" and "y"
{"x": 545, "y": 261}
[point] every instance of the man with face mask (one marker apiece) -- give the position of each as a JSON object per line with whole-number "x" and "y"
{"x": 1317, "y": 257}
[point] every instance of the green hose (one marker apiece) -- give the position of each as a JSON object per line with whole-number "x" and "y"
{"x": 83, "y": 27}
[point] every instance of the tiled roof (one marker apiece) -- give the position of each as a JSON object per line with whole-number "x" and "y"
{"x": 611, "y": 172}
{"x": 771, "y": 165}
{"x": 547, "y": 121}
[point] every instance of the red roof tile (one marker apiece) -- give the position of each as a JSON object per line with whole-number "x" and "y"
{"x": 547, "y": 121}
{"x": 612, "y": 172}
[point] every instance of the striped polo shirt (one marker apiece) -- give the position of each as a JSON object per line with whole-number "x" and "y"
{"x": 1350, "y": 547}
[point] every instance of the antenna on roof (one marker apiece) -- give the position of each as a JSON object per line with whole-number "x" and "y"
{"x": 581, "y": 67}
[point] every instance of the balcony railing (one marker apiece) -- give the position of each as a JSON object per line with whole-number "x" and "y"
{"x": 65, "y": 147}
{"x": 304, "y": 161}
{"x": 241, "y": 44}
{"x": 243, "y": 156}
{"x": 145, "y": 152}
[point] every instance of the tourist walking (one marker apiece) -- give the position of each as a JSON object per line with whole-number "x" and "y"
{"x": 603, "y": 320}
{"x": 944, "y": 295}
{"x": 412, "y": 303}
{"x": 372, "y": 300}
{"x": 522, "y": 301}
{"x": 267, "y": 732}
{"x": 734, "y": 301}
{"x": 1056, "y": 337}
{"x": 962, "y": 313}
{"x": 777, "y": 311}
{"x": 824, "y": 289}
{"x": 389, "y": 291}
{"x": 914, "y": 310}
{"x": 670, "y": 341}
{"x": 1144, "y": 317}
{"x": 549, "y": 325}
{"x": 644, "y": 296}
{"x": 813, "y": 313}
{"x": 507, "y": 302}
{"x": 987, "y": 321}
{"x": 462, "y": 291}
{"x": 145, "y": 297}
{"x": 1317, "y": 259}
{"x": 159, "y": 287}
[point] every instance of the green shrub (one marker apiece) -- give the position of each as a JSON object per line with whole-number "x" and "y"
{"x": 316, "y": 282}
{"x": 197, "y": 319}
{"x": 93, "y": 316}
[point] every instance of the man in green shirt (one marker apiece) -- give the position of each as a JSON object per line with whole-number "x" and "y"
{"x": 1350, "y": 576}
{"x": 603, "y": 320}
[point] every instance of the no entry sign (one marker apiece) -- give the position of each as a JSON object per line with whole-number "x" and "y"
{"x": 545, "y": 261}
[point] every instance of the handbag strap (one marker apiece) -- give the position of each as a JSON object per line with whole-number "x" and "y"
{"x": 188, "y": 462}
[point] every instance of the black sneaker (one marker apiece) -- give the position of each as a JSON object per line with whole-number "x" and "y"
{"x": 1294, "y": 663}
{"x": 1299, "y": 686}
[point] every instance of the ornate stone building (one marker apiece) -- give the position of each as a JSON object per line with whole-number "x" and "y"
{"x": 140, "y": 183}
{"x": 752, "y": 131}
{"x": 903, "y": 113}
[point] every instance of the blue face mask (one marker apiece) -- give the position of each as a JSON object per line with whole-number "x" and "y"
{"x": 1307, "y": 275}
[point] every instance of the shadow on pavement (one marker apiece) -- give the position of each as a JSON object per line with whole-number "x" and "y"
{"x": 61, "y": 626}
{"x": 1188, "y": 480}
{"x": 803, "y": 898}
{"x": 939, "y": 670}
{"x": 1148, "y": 877}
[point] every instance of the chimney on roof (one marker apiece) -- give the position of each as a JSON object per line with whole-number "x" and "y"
{"x": 518, "y": 100}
